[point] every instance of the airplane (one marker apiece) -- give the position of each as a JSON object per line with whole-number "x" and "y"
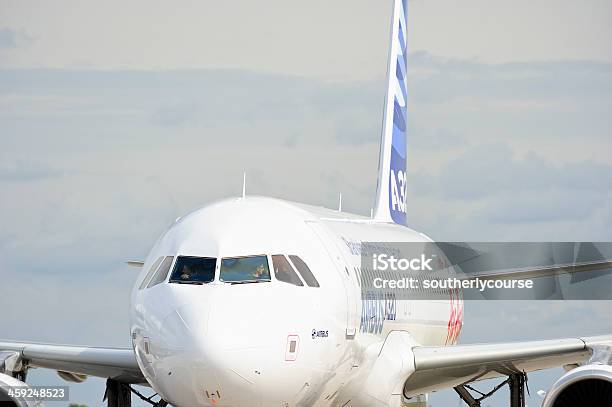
{"x": 255, "y": 301}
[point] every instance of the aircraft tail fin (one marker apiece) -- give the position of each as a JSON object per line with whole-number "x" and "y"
{"x": 390, "y": 203}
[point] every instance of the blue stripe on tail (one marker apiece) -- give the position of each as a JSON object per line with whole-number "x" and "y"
{"x": 397, "y": 173}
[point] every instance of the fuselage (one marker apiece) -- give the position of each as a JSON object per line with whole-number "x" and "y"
{"x": 269, "y": 342}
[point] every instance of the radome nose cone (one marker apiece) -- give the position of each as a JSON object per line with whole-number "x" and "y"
{"x": 189, "y": 364}
{"x": 209, "y": 352}
{"x": 218, "y": 372}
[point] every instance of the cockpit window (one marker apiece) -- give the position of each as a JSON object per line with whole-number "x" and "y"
{"x": 283, "y": 270}
{"x": 162, "y": 272}
{"x": 193, "y": 270}
{"x": 250, "y": 269}
{"x": 146, "y": 279}
{"x": 304, "y": 271}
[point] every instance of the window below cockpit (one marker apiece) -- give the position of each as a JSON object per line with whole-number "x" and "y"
{"x": 239, "y": 270}
{"x": 193, "y": 270}
{"x": 284, "y": 272}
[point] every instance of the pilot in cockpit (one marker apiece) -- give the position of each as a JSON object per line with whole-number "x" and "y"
{"x": 259, "y": 271}
{"x": 186, "y": 273}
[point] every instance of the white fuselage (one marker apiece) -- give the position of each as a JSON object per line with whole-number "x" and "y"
{"x": 273, "y": 344}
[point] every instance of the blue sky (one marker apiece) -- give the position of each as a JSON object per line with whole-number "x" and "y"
{"x": 114, "y": 124}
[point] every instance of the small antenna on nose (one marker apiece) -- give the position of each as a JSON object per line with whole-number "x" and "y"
{"x": 244, "y": 184}
{"x": 340, "y": 203}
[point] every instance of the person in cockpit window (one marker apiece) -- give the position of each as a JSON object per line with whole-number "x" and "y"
{"x": 186, "y": 273}
{"x": 259, "y": 271}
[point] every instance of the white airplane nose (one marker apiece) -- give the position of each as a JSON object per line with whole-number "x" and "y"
{"x": 187, "y": 358}
{"x": 202, "y": 355}
{"x": 203, "y": 372}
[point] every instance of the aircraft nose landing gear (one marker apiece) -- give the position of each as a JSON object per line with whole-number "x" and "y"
{"x": 117, "y": 394}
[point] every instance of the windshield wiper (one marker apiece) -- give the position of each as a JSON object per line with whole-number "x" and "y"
{"x": 248, "y": 281}
{"x": 188, "y": 282}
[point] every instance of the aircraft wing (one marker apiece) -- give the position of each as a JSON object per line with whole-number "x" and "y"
{"x": 115, "y": 363}
{"x": 442, "y": 367}
{"x": 500, "y": 261}
{"x": 542, "y": 271}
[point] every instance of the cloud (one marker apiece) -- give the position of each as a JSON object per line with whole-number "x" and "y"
{"x": 7, "y": 38}
{"x": 435, "y": 138}
{"x": 24, "y": 170}
{"x": 540, "y": 207}
{"x": 95, "y": 109}
{"x": 550, "y": 82}
{"x": 493, "y": 168}
{"x": 553, "y": 100}
{"x": 179, "y": 114}
{"x": 490, "y": 191}
{"x": 146, "y": 122}
{"x": 10, "y": 38}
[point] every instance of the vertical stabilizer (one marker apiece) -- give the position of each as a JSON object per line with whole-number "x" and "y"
{"x": 391, "y": 190}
